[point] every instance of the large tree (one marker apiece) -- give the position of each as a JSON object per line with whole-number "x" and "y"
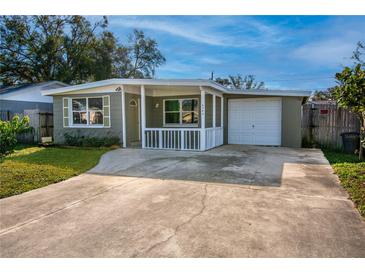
{"x": 350, "y": 94}
{"x": 72, "y": 50}
{"x": 139, "y": 58}
{"x": 241, "y": 82}
{"x": 359, "y": 53}
{"x": 322, "y": 95}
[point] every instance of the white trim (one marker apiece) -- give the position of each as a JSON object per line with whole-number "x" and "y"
{"x": 214, "y": 116}
{"x": 107, "y": 114}
{"x": 222, "y": 111}
{"x": 202, "y": 117}
{"x": 70, "y": 112}
{"x": 88, "y": 92}
{"x": 124, "y": 127}
{"x": 139, "y": 118}
{"x": 143, "y": 115}
{"x": 180, "y": 124}
{"x": 63, "y": 111}
{"x": 268, "y": 92}
{"x": 86, "y": 126}
{"x": 174, "y": 82}
{"x": 138, "y": 82}
{"x": 214, "y": 111}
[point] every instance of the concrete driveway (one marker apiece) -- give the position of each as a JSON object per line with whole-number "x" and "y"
{"x": 233, "y": 201}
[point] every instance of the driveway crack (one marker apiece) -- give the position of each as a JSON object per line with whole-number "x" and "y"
{"x": 65, "y": 207}
{"x": 179, "y": 227}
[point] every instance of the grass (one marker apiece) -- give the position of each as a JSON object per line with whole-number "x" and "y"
{"x": 31, "y": 167}
{"x": 352, "y": 176}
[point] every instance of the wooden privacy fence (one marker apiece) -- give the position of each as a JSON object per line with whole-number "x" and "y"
{"x": 323, "y": 123}
{"x": 40, "y": 122}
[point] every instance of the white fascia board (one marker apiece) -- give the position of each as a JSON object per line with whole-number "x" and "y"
{"x": 295, "y": 93}
{"x": 146, "y": 82}
{"x": 77, "y": 87}
{"x": 174, "y": 82}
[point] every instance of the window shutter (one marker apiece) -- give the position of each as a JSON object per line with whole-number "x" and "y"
{"x": 66, "y": 111}
{"x": 106, "y": 110}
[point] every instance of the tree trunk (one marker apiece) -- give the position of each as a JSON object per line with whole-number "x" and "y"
{"x": 362, "y": 128}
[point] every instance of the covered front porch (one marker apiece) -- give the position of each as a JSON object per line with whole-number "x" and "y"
{"x": 172, "y": 117}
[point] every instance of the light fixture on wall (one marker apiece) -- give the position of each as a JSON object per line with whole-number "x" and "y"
{"x": 132, "y": 103}
{"x": 157, "y": 105}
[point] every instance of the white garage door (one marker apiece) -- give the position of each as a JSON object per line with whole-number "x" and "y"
{"x": 254, "y": 121}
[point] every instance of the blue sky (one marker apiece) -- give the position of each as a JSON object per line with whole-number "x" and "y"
{"x": 286, "y": 52}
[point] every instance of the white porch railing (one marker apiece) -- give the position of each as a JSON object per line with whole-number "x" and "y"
{"x": 213, "y": 137}
{"x": 182, "y": 138}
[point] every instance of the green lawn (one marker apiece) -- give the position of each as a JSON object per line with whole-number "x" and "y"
{"x": 33, "y": 167}
{"x": 352, "y": 176}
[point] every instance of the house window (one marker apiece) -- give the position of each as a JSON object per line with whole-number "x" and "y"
{"x": 182, "y": 112}
{"x": 88, "y": 111}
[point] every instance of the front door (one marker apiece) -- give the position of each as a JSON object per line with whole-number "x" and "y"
{"x": 133, "y": 121}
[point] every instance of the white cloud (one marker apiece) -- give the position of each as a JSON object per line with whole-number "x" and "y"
{"x": 211, "y": 60}
{"x": 178, "y": 67}
{"x": 169, "y": 27}
{"x": 207, "y": 30}
{"x": 332, "y": 52}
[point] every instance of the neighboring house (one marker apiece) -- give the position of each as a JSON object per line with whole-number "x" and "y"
{"x": 177, "y": 114}
{"x": 16, "y": 99}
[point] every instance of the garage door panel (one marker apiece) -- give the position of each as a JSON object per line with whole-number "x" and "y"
{"x": 266, "y": 140}
{"x": 241, "y": 139}
{"x": 254, "y": 121}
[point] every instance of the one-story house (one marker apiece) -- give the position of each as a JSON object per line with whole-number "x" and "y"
{"x": 177, "y": 114}
{"x": 16, "y": 99}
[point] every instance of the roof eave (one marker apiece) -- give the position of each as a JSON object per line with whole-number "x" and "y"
{"x": 294, "y": 93}
{"x": 150, "y": 82}
{"x": 174, "y": 82}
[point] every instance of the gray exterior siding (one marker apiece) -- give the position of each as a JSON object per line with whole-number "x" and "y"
{"x": 208, "y": 110}
{"x": 115, "y": 130}
{"x": 18, "y": 107}
{"x": 290, "y": 119}
{"x": 218, "y": 111}
{"x": 291, "y": 129}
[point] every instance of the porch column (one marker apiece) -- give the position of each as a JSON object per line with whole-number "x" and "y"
{"x": 202, "y": 117}
{"x": 222, "y": 115}
{"x": 124, "y": 140}
{"x": 214, "y": 117}
{"x": 143, "y": 115}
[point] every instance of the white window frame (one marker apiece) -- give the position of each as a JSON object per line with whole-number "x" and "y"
{"x": 180, "y": 124}
{"x": 87, "y": 113}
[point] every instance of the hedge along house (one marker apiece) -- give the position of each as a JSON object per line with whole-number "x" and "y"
{"x": 177, "y": 114}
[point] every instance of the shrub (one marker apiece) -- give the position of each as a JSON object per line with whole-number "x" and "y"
{"x": 75, "y": 140}
{"x": 8, "y": 132}
{"x": 72, "y": 140}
